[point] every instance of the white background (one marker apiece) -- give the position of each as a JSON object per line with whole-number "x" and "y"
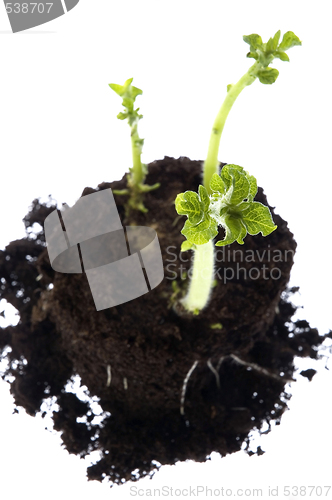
{"x": 59, "y": 133}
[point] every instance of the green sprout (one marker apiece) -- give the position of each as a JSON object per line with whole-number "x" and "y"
{"x": 136, "y": 177}
{"x": 263, "y": 53}
{"x": 227, "y": 200}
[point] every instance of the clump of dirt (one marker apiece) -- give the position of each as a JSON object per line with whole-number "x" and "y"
{"x": 171, "y": 387}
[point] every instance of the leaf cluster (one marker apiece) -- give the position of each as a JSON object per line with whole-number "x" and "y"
{"x": 231, "y": 206}
{"x": 264, "y": 53}
{"x": 128, "y": 93}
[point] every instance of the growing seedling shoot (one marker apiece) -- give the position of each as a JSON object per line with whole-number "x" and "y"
{"x": 264, "y": 54}
{"x": 136, "y": 177}
{"x": 227, "y": 200}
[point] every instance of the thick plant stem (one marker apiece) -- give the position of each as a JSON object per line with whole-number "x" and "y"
{"x": 211, "y": 163}
{"x": 136, "y": 147}
{"x": 202, "y": 279}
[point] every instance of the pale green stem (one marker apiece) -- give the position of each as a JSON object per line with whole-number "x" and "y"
{"x": 211, "y": 163}
{"x": 202, "y": 278}
{"x": 136, "y": 147}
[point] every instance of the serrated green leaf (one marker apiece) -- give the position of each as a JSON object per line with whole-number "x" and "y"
{"x": 257, "y": 218}
{"x": 226, "y": 178}
{"x": 189, "y": 204}
{"x": 202, "y": 232}
{"x": 289, "y": 40}
{"x": 235, "y": 231}
{"x": 186, "y": 245}
{"x": 226, "y": 175}
{"x": 268, "y": 75}
{"x": 238, "y": 185}
{"x": 216, "y": 184}
{"x": 254, "y": 40}
{"x": 205, "y": 200}
{"x": 281, "y": 55}
{"x": 252, "y": 187}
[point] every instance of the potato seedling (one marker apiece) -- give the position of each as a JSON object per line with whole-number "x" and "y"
{"x": 226, "y": 200}
{"x": 136, "y": 177}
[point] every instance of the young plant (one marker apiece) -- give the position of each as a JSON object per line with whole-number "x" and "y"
{"x": 227, "y": 200}
{"x": 136, "y": 177}
{"x": 264, "y": 54}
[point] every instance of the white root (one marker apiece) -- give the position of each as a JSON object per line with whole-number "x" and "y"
{"x": 109, "y": 376}
{"x": 260, "y": 369}
{"x": 214, "y": 371}
{"x": 184, "y": 387}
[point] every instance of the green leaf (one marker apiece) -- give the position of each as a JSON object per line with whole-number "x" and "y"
{"x": 257, "y": 218}
{"x": 122, "y": 116}
{"x": 135, "y": 92}
{"x": 268, "y": 75}
{"x": 189, "y": 204}
{"x": 205, "y": 200}
{"x": 186, "y": 245}
{"x": 254, "y": 40}
{"x": 240, "y": 187}
{"x": 117, "y": 88}
{"x": 216, "y": 184}
{"x": 252, "y": 55}
{"x": 237, "y": 183}
{"x": 272, "y": 44}
{"x": 289, "y": 40}
{"x": 252, "y": 187}
{"x": 227, "y": 174}
{"x": 127, "y": 84}
{"x": 281, "y": 55}
{"x": 269, "y": 45}
{"x": 235, "y": 231}
{"x": 276, "y": 39}
{"x": 128, "y": 103}
{"x": 202, "y": 232}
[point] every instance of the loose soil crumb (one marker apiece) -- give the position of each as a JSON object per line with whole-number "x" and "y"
{"x": 136, "y": 357}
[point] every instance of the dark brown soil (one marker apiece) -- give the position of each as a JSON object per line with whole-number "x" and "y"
{"x": 244, "y": 342}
